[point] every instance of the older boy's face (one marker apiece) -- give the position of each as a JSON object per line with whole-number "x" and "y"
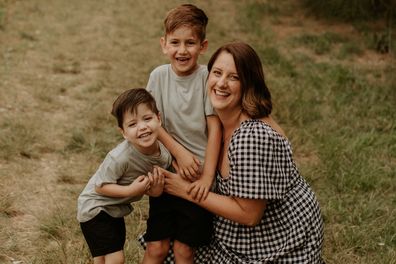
{"x": 141, "y": 129}
{"x": 183, "y": 47}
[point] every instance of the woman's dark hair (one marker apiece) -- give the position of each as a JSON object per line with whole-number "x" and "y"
{"x": 256, "y": 97}
{"x": 129, "y": 100}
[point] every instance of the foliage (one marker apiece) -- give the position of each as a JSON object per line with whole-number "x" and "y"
{"x": 352, "y": 10}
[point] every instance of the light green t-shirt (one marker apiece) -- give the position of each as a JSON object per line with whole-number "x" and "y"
{"x": 122, "y": 165}
{"x": 184, "y": 105}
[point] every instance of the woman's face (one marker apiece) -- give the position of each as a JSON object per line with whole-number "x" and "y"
{"x": 224, "y": 85}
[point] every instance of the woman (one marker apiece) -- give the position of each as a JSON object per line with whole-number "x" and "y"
{"x": 265, "y": 212}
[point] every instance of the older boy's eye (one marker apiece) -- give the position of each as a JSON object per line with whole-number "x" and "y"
{"x": 148, "y": 118}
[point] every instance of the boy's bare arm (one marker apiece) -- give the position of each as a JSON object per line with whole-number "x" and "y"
{"x": 136, "y": 188}
{"x": 187, "y": 163}
{"x": 200, "y": 188}
{"x": 213, "y": 147}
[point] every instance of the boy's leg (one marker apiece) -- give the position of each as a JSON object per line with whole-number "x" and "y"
{"x": 105, "y": 235}
{"x": 99, "y": 260}
{"x": 115, "y": 258}
{"x": 156, "y": 251}
{"x": 184, "y": 254}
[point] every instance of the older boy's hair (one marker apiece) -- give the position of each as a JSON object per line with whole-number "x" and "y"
{"x": 130, "y": 100}
{"x": 186, "y": 15}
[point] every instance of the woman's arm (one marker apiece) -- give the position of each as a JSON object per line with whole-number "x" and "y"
{"x": 244, "y": 211}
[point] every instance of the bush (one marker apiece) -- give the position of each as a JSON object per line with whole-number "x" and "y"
{"x": 352, "y": 10}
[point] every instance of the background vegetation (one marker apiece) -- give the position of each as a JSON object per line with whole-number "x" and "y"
{"x": 63, "y": 63}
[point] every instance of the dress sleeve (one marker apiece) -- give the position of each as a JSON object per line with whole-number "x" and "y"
{"x": 260, "y": 164}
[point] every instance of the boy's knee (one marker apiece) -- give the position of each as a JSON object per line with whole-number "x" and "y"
{"x": 115, "y": 258}
{"x": 183, "y": 250}
{"x": 158, "y": 249}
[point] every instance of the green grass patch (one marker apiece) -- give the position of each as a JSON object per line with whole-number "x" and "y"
{"x": 320, "y": 44}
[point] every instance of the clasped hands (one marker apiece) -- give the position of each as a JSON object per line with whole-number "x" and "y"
{"x": 173, "y": 183}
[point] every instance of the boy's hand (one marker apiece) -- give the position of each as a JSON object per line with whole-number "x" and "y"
{"x": 199, "y": 189}
{"x": 139, "y": 186}
{"x": 188, "y": 166}
{"x": 157, "y": 182}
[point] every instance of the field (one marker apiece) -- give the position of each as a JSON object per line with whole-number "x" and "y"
{"x": 62, "y": 63}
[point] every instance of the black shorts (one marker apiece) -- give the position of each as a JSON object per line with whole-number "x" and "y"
{"x": 174, "y": 218}
{"x": 104, "y": 234}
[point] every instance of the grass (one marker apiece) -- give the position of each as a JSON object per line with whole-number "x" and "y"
{"x": 62, "y": 69}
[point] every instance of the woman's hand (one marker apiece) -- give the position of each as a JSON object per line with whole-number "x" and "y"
{"x": 175, "y": 184}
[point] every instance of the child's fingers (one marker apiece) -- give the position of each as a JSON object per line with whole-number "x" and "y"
{"x": 199, "y": 194}
{"x": 197, "y": 165}
{"x": 150, "y": 177}
{"x": 176, "y": 166}
{"x": 141, "y": 178}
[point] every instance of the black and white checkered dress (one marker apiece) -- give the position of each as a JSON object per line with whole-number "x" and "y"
{"x": 291, "y": 231}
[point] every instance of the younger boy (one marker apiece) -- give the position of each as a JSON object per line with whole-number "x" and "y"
{"x": 192, "y": 135}
{"x": 121, "y": 178}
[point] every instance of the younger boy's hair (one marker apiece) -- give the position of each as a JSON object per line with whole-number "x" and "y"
{"x": 186, "y": 15}
{"x": 129, "y": 100}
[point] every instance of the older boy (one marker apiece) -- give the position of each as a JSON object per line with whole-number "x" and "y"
{"x": 191, "y": 133}
{"x": 121, "y": 178}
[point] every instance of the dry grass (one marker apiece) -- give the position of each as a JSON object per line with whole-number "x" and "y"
{"x": 62, "y": 64}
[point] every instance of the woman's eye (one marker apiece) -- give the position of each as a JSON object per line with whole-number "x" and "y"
{"x": 217, "y": 73}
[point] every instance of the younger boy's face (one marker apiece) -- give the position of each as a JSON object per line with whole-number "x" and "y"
{"x": 183, "y": 47}
{"x": 141, "y": 129}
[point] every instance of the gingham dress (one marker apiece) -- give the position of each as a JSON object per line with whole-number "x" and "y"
{"x": 291, "y": 230}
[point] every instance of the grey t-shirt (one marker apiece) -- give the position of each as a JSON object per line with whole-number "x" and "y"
{"x": 184, "y": 105}
{"x": 122, "y": 165}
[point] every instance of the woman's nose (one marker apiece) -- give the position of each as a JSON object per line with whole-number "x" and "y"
{"x": 222, "y": 81}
